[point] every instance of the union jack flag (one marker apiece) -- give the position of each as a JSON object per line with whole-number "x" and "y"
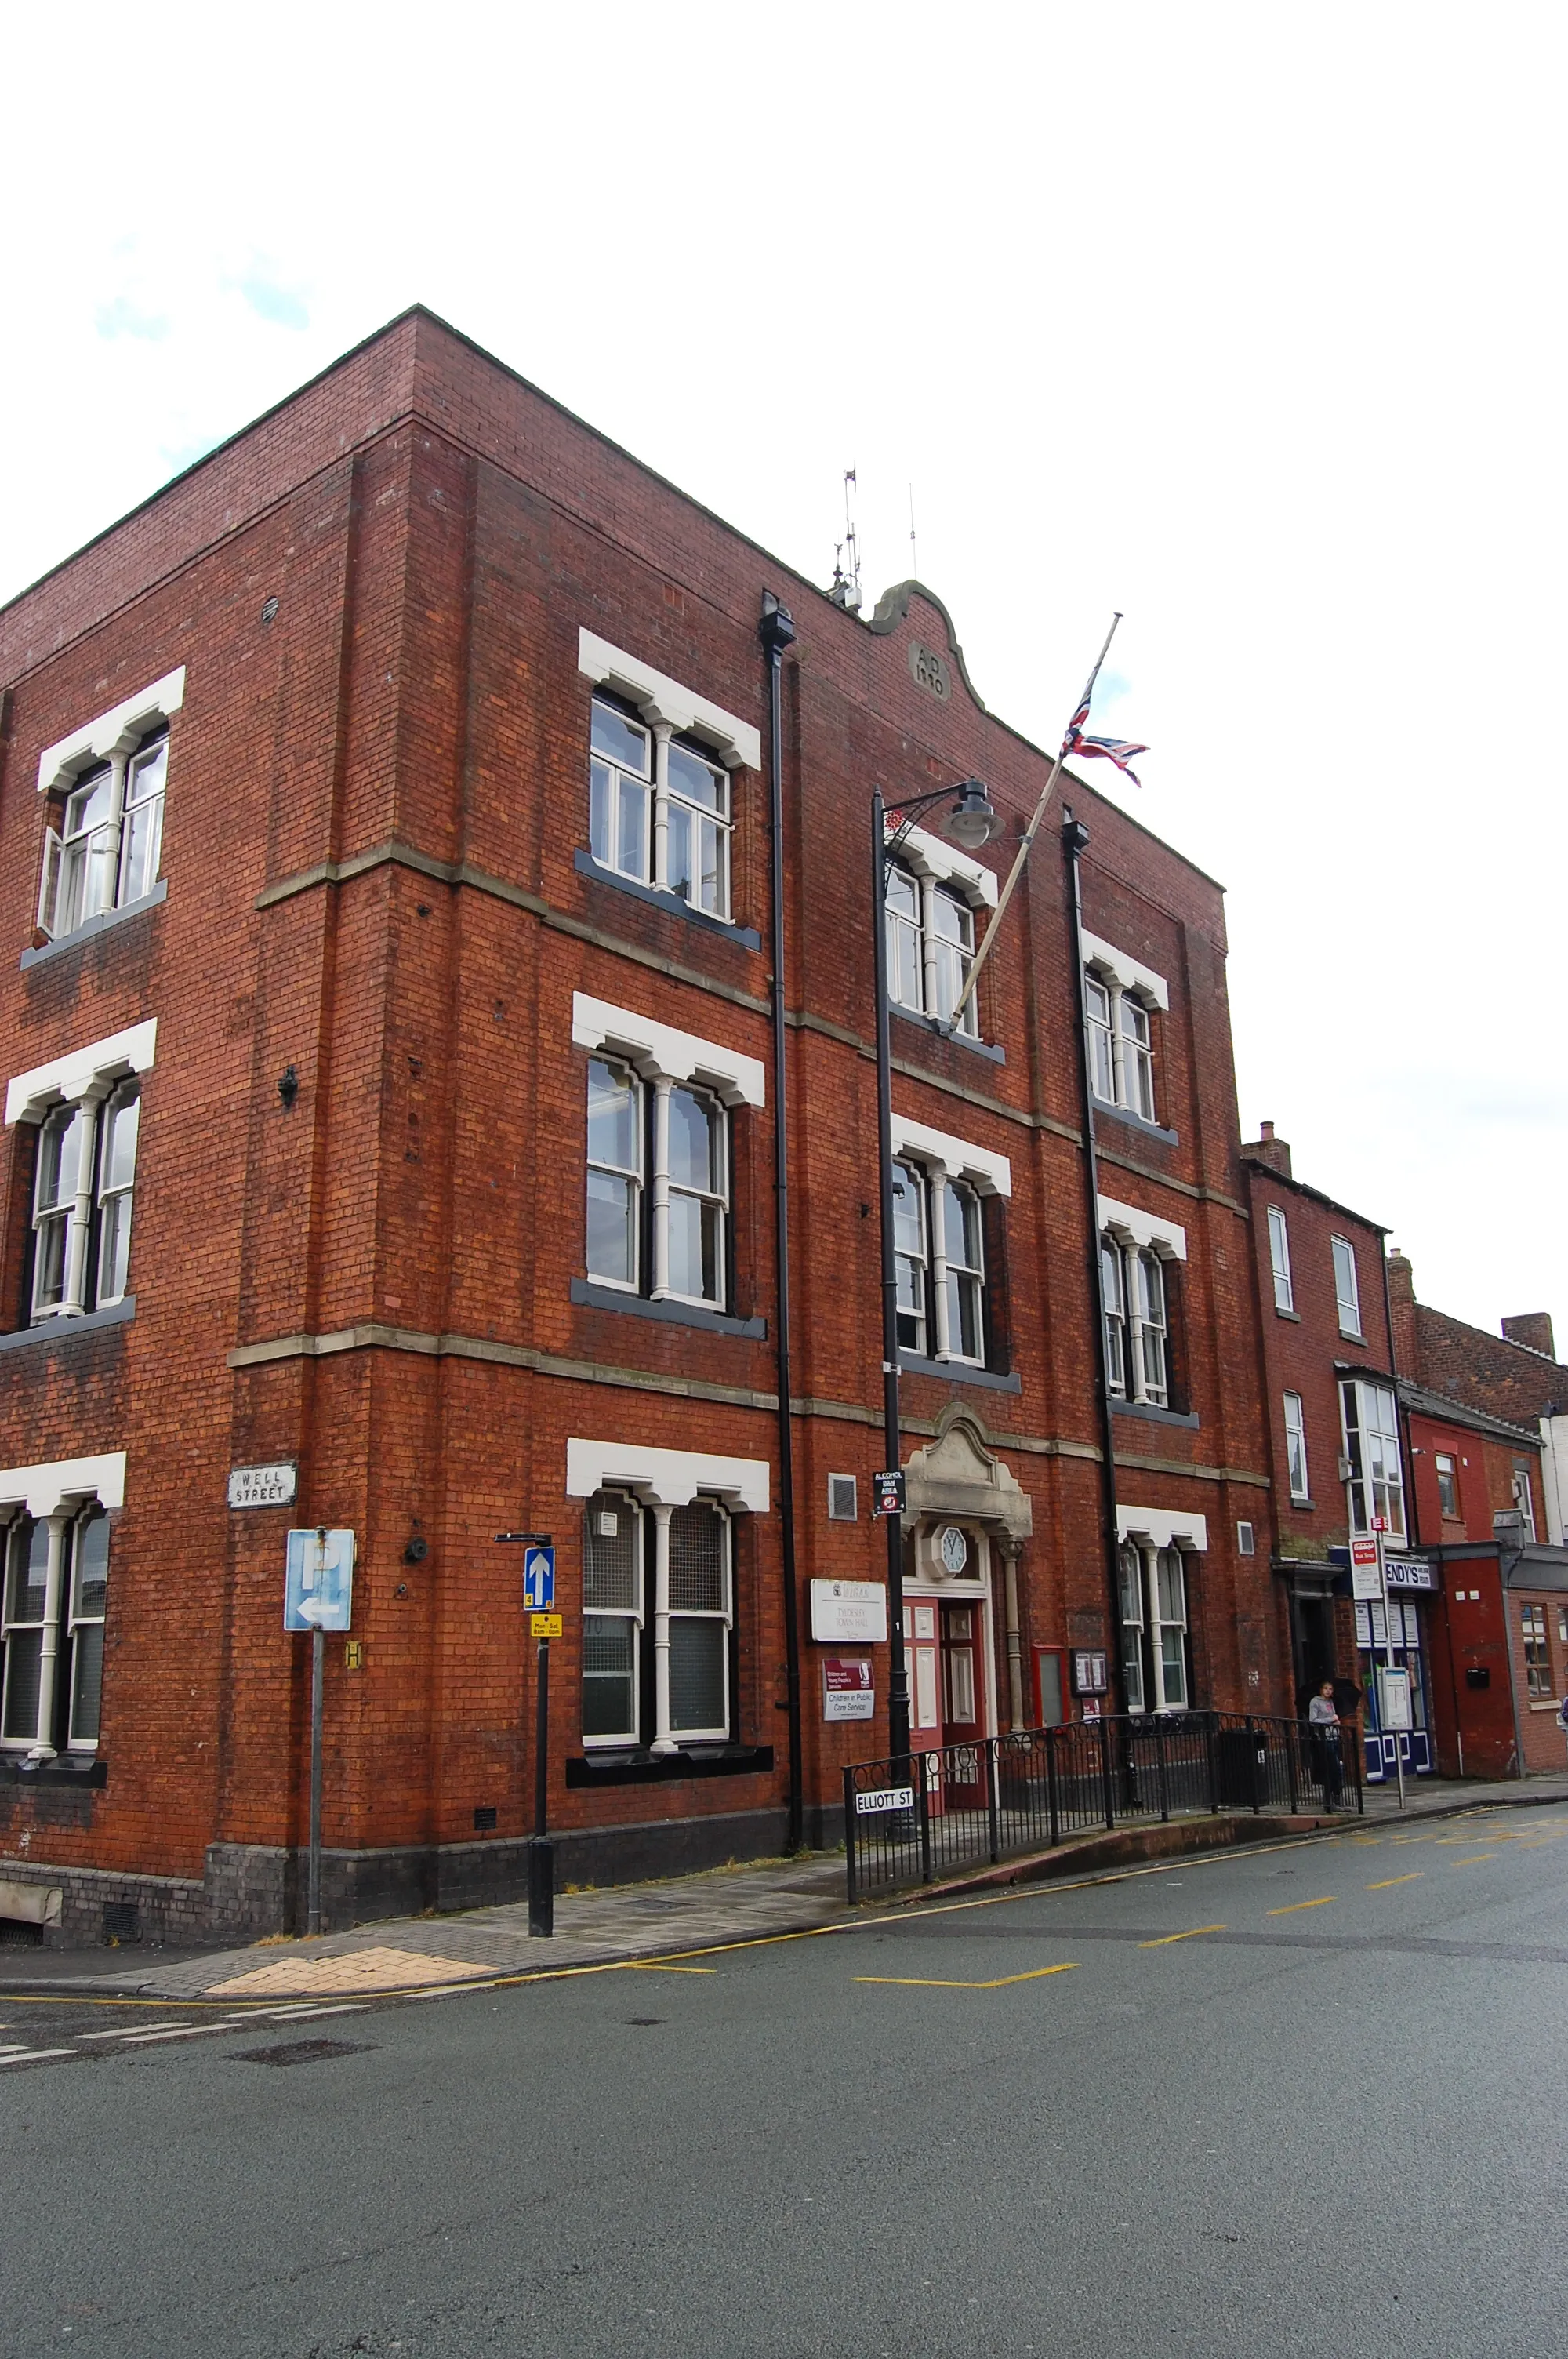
{"x": 1120, "y": 750}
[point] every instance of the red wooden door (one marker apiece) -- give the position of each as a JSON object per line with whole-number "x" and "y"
{"x": 963, "y": 1706}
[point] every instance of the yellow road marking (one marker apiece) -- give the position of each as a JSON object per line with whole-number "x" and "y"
{"x": 1413, "y": 1877}
{"x": 1166, "y": 1939}
{"x": 656, "y": 1966}
{"x": 922, "y": 1981}
{"x": 1474, "y": 1860}
{"x": 1327, "y": 1900}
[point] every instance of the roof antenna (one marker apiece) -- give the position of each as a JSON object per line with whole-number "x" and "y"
{"x": 914, "y": 560}
{"x": 844, "y": 589}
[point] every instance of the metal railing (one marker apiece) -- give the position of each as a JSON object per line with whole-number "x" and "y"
{"x": 960, "y": 1805}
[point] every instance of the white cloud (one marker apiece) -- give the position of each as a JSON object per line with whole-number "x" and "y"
{"x": 1237, "y": 319}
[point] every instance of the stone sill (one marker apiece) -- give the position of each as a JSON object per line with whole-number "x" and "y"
{"x": 745, "y": 938}
{"x": 630, "y": 1766}
{"x": 81, "y": 1769}
{"x": 959, "y": 1371}
{"x": 1135, "y": 1121}
{"x": 93, "y": 927}
{"x": 670, "y": 1314}
{"x": 63, "y": 1330}
{"x": 1156, "y": 1415}
{"x": 940, "y": 1031}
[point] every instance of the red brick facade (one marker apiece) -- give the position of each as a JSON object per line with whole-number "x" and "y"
{"x": 359, "y": 1229}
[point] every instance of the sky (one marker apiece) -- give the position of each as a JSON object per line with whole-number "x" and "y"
{"x": 1244, "y": 320}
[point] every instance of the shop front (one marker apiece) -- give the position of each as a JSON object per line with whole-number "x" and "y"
{"x": 1399, "y": 1639}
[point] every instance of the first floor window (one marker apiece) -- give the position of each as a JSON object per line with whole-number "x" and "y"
{"x": 1134, "y": 1307}
{"x": 657, "y": 1582}
{"x": 1537, "y": 1654}
{"x": 105, "y": 854}
{"x": 1523, "y": 1501}
{"x": 55, "y": 1595}
{"x": 1295, "y": 1446}
{"x": 1152, "y": 1583}
{"x": 84, "y": 1185}
{"x": 1372, "y": 1454}
{"x": 620, "y": 792}
{"x": 696, "y": 818}
{"x": 940, "y": 1246}
{"x": 1102, "y": 1059}
{"x": 658, "y": 1186}
{"x": 1137, "y": 1058}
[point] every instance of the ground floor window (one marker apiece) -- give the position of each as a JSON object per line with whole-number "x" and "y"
{"x": 53, "y": 1600}
{"x": 658, "y": 1623}
{"x": 1373, "y": 1637}
{"x": 1537, "y": 1654}
{"x": 1156, "y": 1651}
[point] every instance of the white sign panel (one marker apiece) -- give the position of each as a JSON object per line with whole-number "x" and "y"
{"x": 855, "y": 1610}
{"x": 1365, "y": 1580}
{"x": 886, "y": 1798}
{"x": 1409, "y": 1573}
{"x": 846, "y": 1689}
{"x": 319, "y": 1585}
{"x": 263, "y": 1486}
{"x": 1394, "y": 1694}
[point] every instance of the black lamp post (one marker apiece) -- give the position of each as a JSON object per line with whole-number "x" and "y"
{"x": 971, "y": 821}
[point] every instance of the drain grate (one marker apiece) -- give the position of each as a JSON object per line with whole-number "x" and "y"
{"x": 121, "y": 1920}
{"x": 303, "y": 2051}
{"x": 16, "y": 1935}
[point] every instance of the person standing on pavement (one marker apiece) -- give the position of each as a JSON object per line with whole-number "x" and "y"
{"x": 1323, "y": 1721}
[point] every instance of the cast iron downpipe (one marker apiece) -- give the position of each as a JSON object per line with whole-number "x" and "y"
{"x": 776, "y": 630}
{"x": 1074, "y": 838}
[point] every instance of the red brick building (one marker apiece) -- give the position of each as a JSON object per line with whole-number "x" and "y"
{"x": 1339, "y": 1455}
{"x": 393, "y": 1075}
{"x": 1480, "y": 1411}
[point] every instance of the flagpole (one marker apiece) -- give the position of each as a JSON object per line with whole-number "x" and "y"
{"x": 1029, "y": 835}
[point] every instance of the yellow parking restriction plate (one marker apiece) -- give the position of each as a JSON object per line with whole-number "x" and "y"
{"x": 544, "y": 1626}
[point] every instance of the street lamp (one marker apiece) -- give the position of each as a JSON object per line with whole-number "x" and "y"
{"x": 971, "y": 821}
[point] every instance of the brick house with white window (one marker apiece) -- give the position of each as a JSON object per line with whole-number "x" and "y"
{"x": 392, "y": 1089}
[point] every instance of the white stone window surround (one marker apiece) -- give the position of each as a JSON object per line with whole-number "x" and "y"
{"x": 1129, "y": 1224}
{"x": 662, "y": 701}
{"x": 43, "y": 1490}
{"x": 85, "y": 1073}
{"x": 659, "y": 1052}
{"x": 118, "y": 731}
{"x": 1126, "y": 971}
{"x": 1158, "y": 1527}
{"x": 955, "y": 1158}
{"x": 933, "y": 856}
{"x": 665, "y": 1479}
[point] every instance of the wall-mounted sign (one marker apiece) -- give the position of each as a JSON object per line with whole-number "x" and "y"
{"x": 1090, "y": 1672}
{"x": 890, "y": 1491}
{"x": 846, "y": 1689}
{"x": 263, "y": 1486}
{"x": 319, "y": 1580}
{"x": 884, "y": 1798}
{"x": 852, "y": 1610}
{"x": 1364, "y": 1580}
{"x": 1409, "y": 1573}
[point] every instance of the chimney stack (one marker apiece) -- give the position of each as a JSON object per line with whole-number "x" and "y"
{"x": 1402, "y": 1315}
{"x": 1533, "y": 1330}
{"x": 1267, "y": 1148}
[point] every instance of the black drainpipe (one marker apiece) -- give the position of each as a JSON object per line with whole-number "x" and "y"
{"x": 777, "y": 632}
{"x": 1075, "y": 840}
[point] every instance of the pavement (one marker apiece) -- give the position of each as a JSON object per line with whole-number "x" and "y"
{"x": 757, "y": 1900}
{"x": 1293, "y": 2100}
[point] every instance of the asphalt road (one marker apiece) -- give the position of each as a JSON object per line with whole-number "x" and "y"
{"x": 1302, "y": 2100}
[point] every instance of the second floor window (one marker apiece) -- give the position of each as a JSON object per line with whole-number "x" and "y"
{"x": 1122, "y": 1057}
{"x": 1372, "y": 1457}
{"x": 1447, "y": 1484}
{"x": 658, "y": 1186}
{"x": 659, "y": 810}
{"x": 1347, "y": 1293}
{"x": 83, "y": 1187}
{"x": 930, "y": 946}
{"x": 105, "y": 853}
{"x": 939, "y": 1243}
{"x": 1137, "y": 1327}
{"x": 1280, "y": 1259}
